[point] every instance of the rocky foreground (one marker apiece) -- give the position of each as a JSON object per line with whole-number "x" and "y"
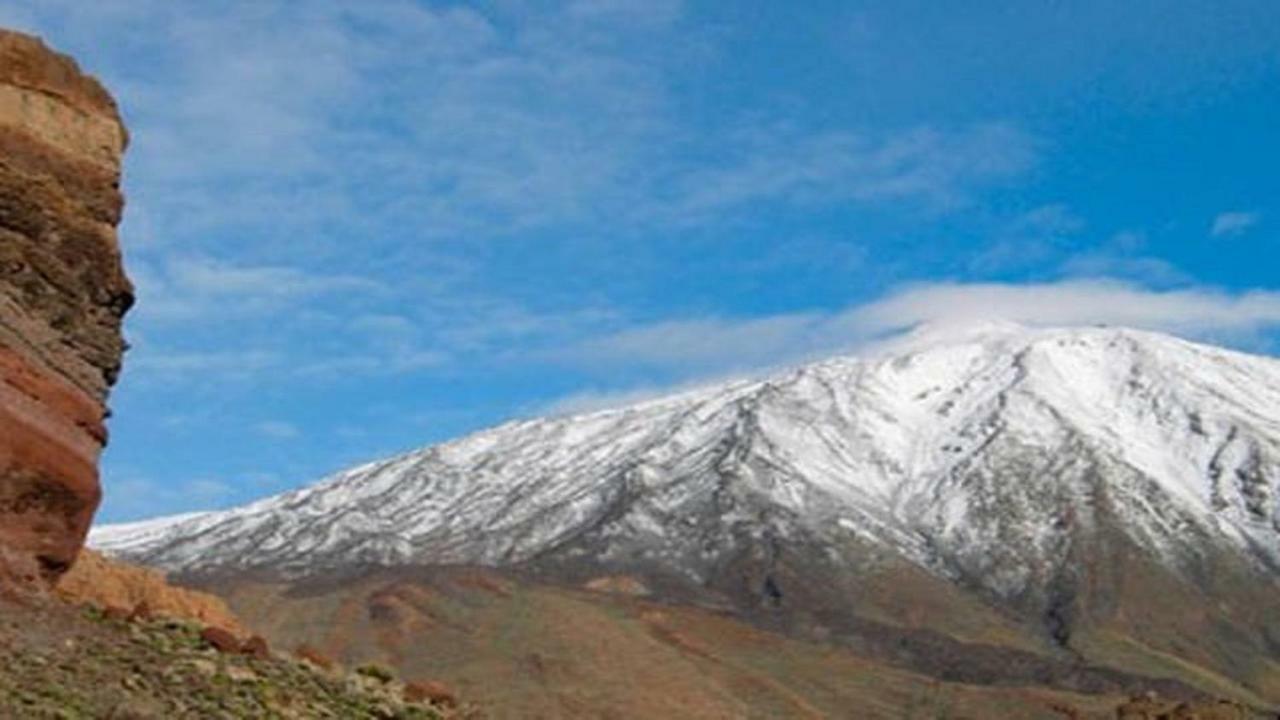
{"x": 63, "y": 661}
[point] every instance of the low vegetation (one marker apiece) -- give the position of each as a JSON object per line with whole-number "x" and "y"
{"x": 58, "y": 661}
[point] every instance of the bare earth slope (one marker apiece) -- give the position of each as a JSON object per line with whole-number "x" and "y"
{"x": 521, "y": 649}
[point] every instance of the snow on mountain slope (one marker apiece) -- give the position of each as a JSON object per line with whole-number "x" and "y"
{"x": 980, "y": 454}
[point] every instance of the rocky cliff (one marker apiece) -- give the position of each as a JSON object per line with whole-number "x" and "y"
{"x": 63, "y": 294}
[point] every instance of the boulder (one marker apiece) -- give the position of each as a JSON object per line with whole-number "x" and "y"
{"x": 314, "y": 656}
{"x": 256, "y": 647}
{"x": 220, "y": 639}
{"x": 432, "y": 692}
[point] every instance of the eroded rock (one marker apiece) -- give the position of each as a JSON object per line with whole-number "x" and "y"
{"x": 63, "y": 295}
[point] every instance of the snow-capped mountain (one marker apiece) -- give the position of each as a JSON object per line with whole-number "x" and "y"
{"x": 989, "y": 457}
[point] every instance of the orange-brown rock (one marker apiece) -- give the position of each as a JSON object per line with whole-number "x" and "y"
{"x": 100, "y": 581}
{"x": 63, "y": 294}
{"x": 431, "y": 692}
{"x": 618, "y": 585}
{"x": 141, "y": 612}
{"x": 116, "y": 613}
{"x": 256, "y": 647}
{"x": 220, "y": 639}
{"x": 314, "y": 656}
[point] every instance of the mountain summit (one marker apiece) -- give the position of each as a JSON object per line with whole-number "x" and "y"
{"x": 1106, "y": 493}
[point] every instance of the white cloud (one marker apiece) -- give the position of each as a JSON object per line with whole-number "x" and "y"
{"x": 397, "y": 361}
{"x": 1122, "y": 257}
{"x": 1191, "y": 311}
{"x": 295, "y": 165}
{"x": 649, "y": 12}
{"x": 162, "y": 364}
{"x": 278, "y": 430}
{"x": 183, "y": 288}
{"x": 1233, "y": 223}
{"x": 926, "y": 164}
{"x": 706, "y": 343}
{"x": 204, "y": 276}
{"x": 1141, "y": 268}
{"x": 320, "y": 116}
{"x": 153, "y": 366}
{"x": 711, "y": 346}
{"x": 1029, "y": 239}
{"x": 591, "y": 400}
{"x": 326, "y": 120}
{"x": 131, "y": 496}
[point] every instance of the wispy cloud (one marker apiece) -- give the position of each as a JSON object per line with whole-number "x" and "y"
{"x": 1029, "y": 239}
{"x": 278, "y": 430}
{"x": 180, "y": 288}
{"x": 702, "y": 344}
{"x": 1192, "y": 311}
{"x": 936, "y": 167}
{"x": 717, "y": 346}
{"x": 300, "y": 117}
{"x": 592, "y": 399}
{"x": 1233, "y": 223}
{"x": 170, "y": 365}
{"x": 1125, "y": 256}
{"x": 133, "y": 495}
{"x": 328, "y": 162}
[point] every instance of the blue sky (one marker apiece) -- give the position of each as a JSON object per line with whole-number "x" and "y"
{"x": 357, "y": 228}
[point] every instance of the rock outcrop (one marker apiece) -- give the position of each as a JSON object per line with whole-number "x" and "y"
{"x": 102, "y": 582}
{"x": 63, "y": 295}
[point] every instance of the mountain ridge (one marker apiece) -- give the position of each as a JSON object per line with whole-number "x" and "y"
{"x": 905, "y": 445}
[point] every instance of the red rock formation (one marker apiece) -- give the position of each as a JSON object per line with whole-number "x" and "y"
{"x": 63, "y": 294}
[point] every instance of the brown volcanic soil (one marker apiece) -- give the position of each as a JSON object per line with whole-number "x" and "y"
{"x": 520, "y": 649}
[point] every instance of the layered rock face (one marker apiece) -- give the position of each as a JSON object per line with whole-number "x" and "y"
{"x": 63, "y": 295}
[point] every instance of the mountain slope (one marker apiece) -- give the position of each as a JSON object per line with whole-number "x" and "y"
{"x": 524, "y": 650}
{"x": 959, "y": 456}
{"x": 1098, "y": 496}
